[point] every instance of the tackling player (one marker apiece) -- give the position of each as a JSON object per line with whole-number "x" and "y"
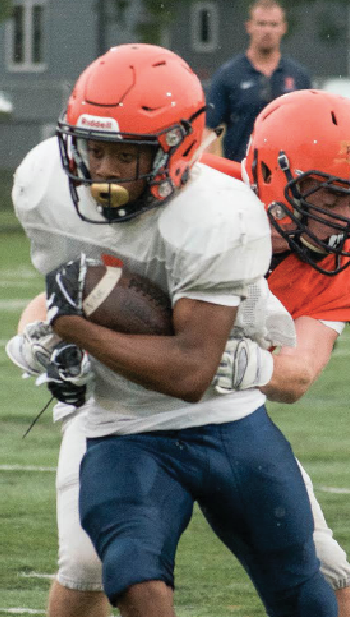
{"x": 298, "y": 163}
{"x": 133, "y": 146}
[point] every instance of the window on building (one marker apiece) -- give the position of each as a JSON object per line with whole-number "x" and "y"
{"x": 18, "y": 35}
{"x": 25, "y": 36}
{"x": 121, "y": 7}
{"x": 205, "y": 26}
{"x": 37, "y": 34}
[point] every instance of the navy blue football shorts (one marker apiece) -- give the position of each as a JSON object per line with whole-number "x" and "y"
{"x": 137, "y": 494}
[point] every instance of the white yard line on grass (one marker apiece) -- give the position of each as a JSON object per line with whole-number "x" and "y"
{"x": 23, "y": 611}
{"x": 341, "y": 353}
{"x": 26, "y": 468}
{"x": 16, "y": 284}
{"x": 12, "y": 305}
{"x": 36, "y": 575}
{"x": 23, "y": 271}
{"x": 330, "y": 489}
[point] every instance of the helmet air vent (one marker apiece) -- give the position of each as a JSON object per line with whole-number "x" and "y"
{"x": 266, "y": 173}
{"x": 334, "y": 118}
{"x": 147, "y": 108}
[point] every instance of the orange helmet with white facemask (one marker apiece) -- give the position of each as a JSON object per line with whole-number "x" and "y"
{"x": 139, "y": 94}
{"x": 301, "y": 136}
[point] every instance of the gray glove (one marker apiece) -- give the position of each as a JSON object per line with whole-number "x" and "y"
{"x": 31, "y": 350}
{"x": 244, "y": 364}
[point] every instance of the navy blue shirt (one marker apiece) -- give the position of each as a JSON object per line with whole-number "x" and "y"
{"x": 239, "y": 92}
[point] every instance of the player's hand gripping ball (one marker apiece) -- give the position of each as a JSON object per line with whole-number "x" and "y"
{"x": 109, "y": 296}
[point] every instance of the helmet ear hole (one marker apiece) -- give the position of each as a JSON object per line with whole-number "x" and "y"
{"x": 266, "y": 173}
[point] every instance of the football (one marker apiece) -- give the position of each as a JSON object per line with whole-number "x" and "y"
{"x": 126, "y": 302}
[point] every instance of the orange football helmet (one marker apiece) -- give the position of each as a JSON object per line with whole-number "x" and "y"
{"x": 303, "y": 135}
{"x": 140, "y": 94}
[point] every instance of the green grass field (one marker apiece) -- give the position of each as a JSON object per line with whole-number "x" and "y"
{"x": 210, "y": 582}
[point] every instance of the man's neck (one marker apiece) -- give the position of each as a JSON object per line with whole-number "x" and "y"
{"x": 264, "y": 61}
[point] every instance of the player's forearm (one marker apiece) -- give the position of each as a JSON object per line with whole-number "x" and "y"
{"x": 292, "y": 377}
{"x": 156, "y": 362}
{"x": 296, "y": 369}
{"x": 34, "y": 311}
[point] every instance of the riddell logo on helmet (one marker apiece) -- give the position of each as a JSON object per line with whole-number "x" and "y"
{"x": 98, "y": 122}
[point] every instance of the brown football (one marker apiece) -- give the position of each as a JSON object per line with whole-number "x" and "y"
{"x": 126, "y": 302}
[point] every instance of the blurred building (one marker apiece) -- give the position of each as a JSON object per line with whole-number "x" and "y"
{"x": 43, "y": 49}
{"x": 47, "y": 43}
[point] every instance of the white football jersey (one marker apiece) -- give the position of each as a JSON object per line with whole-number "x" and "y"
{"x": 210, "y": 242}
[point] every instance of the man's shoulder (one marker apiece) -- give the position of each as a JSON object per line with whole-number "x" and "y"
{"x": 291, "y": 272}
{"x": 40, "y": 180}
{"x": 46, "y": 150}
{"x": 211, "y": 191}
{"x": 213, "y": 203}
{"x": 289, "y": 64}
{"x": 236, "y": 64}
{"x": 304, "y": 291}
{"x": 214, "y": 233}
{"x": 37, "y": 161}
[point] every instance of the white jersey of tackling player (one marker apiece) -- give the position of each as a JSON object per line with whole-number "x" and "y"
{"x": 211, "y": 242}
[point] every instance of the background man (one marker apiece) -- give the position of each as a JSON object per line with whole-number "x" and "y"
{"x": 166, "y": 374}
{"x": 246, "y": 83}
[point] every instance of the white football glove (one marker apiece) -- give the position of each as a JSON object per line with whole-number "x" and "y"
{"x": 244, "y": 364}
{"x": 62, "y": 366}
{"x": 31, "y": 351}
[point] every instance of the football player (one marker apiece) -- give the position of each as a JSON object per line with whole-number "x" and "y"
{"x": 298, "y": 163}
{"x": 155, "y": 423}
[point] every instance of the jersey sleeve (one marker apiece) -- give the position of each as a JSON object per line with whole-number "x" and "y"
{"x": 338, "y": 326}
{"x": 40, "y": 196}
{"x": 43, "y": 206}
{"x": 31, "y": 178}
{"x": 305, "y": 292}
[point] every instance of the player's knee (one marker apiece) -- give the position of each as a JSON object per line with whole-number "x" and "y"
{"x": 128, "y": 562}
{"x": 139, "y": 596}
{"x": 316, "y": 597}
